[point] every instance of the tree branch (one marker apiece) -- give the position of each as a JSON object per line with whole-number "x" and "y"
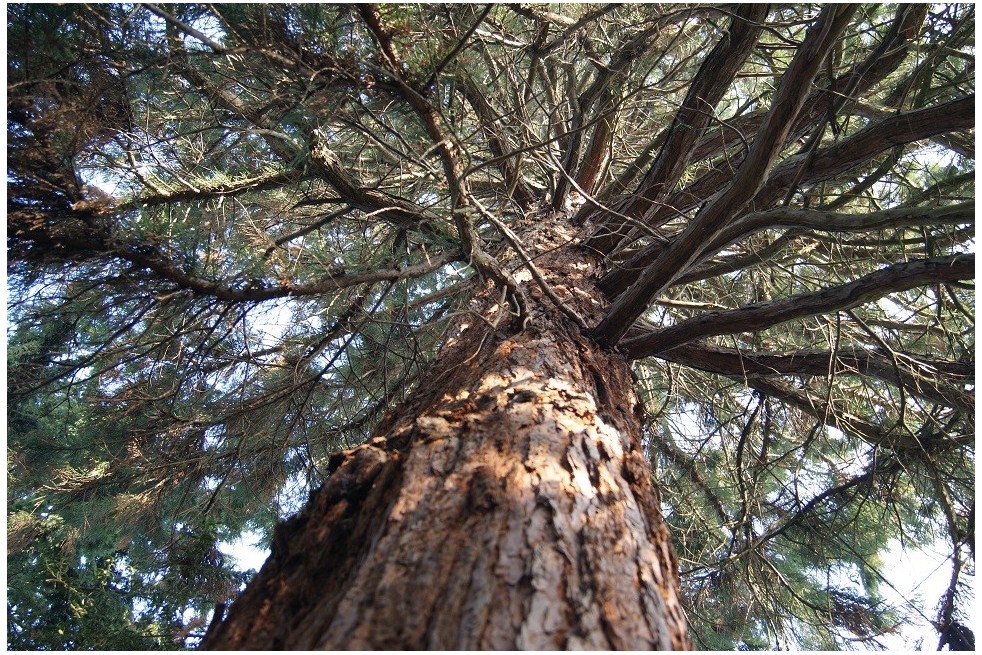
{"x": 350, "y": 189}
{"x": 898, "y": 277}
{"x": 445, "y": 144}
{"x": 789, "y": 217}
{"x": 258, "y": 183}
{"x": 506, "y": 160}
{"x": 834, "y": 160}
{"x": 836, "y": 418}
{"x": 937, "y": 380}
{"x": 600, "y": 95}
{"x": 460, "y": 46}
{"x": 79, "y": 235}
{"x": 867, "y": 143}
{"x": 863, "y": 76}
{"x": 184, "y": 27}
{"x": 694, "y": 115}
{"x": 748, "y": 180}
{"x": 824, "y": 221}
{"x": 881, "y": 62}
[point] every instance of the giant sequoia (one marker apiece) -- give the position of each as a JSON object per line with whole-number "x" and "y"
{"x": 505, "y": 326}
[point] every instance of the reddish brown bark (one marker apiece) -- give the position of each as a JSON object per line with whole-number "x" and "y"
{"x": 506, "y": 505}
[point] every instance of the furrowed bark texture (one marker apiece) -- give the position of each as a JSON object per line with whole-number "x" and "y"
{"x": 506, "y": 505}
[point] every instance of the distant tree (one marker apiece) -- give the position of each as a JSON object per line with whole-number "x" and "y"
{"x": 521, "y": 293}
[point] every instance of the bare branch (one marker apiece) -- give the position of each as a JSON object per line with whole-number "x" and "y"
{"x": 696, "y": 113}
{"x": 898, "y": 277}
{"x": 748, "y": 180}
{"x": 937, "y": 380}
{"x": 184, "y": 27}
{"x": 399, "y": 210}
{"x": 789, "y": 217}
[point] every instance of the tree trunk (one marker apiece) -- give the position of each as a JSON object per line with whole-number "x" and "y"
{"x": 506, "y": 505}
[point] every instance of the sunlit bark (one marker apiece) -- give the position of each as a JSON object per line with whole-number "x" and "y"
{"x": 506, "y": 505}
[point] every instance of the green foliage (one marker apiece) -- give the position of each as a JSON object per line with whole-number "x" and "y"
{"x": 56, "y": 605}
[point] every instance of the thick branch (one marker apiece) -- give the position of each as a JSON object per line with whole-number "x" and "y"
{"x": 696, "y": 113}
{"x": 823, "y": 221}
{"x": 835, "y": 160}
{"x": 898, "y": 277}
{"x": 594, "y": 105}
{"x": 258, "y": 183}
{"x": 790, "y": 217}
{"x": 937, "y": 380}
{"x": 871, "y": 141}
{"x": 842, "y": 157}
{"x": 399, "y": 210}
{"x": 860, "y": 78}
{"x": 961, "y": 142}
{"x": 597, "y": 156}
{"x": 748, "y": 180}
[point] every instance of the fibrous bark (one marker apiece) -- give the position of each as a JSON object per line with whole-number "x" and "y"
{"x": 506, "y": 505}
